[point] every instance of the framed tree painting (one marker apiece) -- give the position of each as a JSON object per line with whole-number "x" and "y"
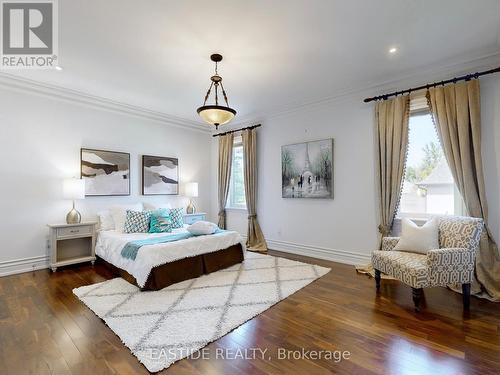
{"x": 160, "y": 175}
{"x": 307, "y": 170}
{"x": 105, "y": 172}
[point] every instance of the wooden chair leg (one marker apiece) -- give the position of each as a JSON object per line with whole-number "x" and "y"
{"x": 417, "y": 294}
{"x": 377, "y": 279}
{"x": 466, "y": 296}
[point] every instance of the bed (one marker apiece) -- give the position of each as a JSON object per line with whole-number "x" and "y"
{"x": 160, "y": 265}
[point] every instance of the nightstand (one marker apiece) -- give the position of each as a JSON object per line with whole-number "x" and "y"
{"x": 72, "y": 243}
{"x": 193, "y": 218}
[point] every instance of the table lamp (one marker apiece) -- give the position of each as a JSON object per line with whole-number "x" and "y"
{"x": 191, "y": 191}
{"x": 74, "y": 188}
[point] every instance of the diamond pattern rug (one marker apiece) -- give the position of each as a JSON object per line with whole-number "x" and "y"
{"x": 161, "y": 327}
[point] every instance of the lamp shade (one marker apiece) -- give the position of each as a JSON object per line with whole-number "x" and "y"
{"x": 216, "y": 114}
{"x": 191, "y": 189}
{"x": 74, "y": 188}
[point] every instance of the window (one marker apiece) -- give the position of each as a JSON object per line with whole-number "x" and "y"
{"x": 428, "y": 186}
{"x": 236, "y": 197}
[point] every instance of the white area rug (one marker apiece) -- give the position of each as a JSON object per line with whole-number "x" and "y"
{"x": 165, "y": 326}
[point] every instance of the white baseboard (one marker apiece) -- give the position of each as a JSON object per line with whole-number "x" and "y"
{"x": 11, "y": 267}
{"x": 334, "y": 255}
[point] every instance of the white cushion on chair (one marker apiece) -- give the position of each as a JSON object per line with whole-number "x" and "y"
{"x": 417, "y": 239}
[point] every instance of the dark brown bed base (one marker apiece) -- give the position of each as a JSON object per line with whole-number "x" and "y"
{"x": 184, "y": 269}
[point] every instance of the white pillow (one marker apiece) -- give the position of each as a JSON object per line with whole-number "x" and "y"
{"x": 154, "y": 206}
{"x": 202, "y": 227}
{"x": 417, "y": 239}
{"x": 105, "y": 220}
{"x": 119, "y": 214}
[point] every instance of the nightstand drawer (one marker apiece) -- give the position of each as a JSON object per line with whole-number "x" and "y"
{"x": 77, "y": 230}
{"x": 193, "y": 218}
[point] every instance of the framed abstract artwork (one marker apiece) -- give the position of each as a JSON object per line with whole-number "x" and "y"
{"x": 105, "y": 172}
{"x": 307, "y": 170}
{"x": 160, "y": 175}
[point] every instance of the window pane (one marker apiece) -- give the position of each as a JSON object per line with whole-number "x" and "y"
{"x": 428, "y": 187}
{"x": 237, "y": 183}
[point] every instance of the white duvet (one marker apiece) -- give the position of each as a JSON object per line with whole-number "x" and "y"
{"x": 110, "y": 244}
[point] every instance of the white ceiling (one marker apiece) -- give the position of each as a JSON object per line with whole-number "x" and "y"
{"x": 155, "y": 54}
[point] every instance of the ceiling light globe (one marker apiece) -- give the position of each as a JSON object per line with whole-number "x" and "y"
{"x": 216, "y": 114}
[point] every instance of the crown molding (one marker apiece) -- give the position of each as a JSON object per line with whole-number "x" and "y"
{"x": 13, "y": 82}
{"x": 426, "y": 74}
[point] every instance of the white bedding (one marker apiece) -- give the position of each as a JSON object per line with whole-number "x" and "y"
{"x": 110, "y": 244}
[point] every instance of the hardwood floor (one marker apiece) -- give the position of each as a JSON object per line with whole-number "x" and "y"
{"x": 45, "y": 329}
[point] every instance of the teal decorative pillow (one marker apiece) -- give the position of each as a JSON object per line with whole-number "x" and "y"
{"x": 137, "y": 221}
{"x": 160, "y": 221}
{"x": 177, "y": 217}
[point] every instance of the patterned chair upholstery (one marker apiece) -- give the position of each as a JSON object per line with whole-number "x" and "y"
{"x": 451, "y": 264}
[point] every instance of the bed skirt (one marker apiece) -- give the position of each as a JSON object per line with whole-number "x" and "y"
{"x": 184, "y": 269}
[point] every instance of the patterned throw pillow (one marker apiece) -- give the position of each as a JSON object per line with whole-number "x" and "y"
{"x": 177, "y": 217}
{"x": 137, "y": 221}
{"x": 160, "y": 221}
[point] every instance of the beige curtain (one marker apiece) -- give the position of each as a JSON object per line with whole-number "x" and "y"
{"x": 456, "y": 110}
{"x": 391, "y": 136}
{"x": 255, "y": 239}
{"x": 392, "y": 117}
{"x": 225, "y": 160}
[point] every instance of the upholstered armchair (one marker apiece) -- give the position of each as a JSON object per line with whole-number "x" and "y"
{"x": 451, "y": 264}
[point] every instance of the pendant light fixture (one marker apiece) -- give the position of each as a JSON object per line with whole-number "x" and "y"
{"x": 216, "y": 114}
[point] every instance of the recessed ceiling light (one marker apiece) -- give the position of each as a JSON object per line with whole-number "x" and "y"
{"x": 393, "y": 50}
{"x": 58, "y": 68}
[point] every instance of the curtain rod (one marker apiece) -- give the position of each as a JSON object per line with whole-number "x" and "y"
{"x": 466, "y": 77}
{"x": 237, "y": 130}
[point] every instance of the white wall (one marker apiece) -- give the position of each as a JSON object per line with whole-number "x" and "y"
{"x": 40, "y": 140}
{"x": 344, "y": 229}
